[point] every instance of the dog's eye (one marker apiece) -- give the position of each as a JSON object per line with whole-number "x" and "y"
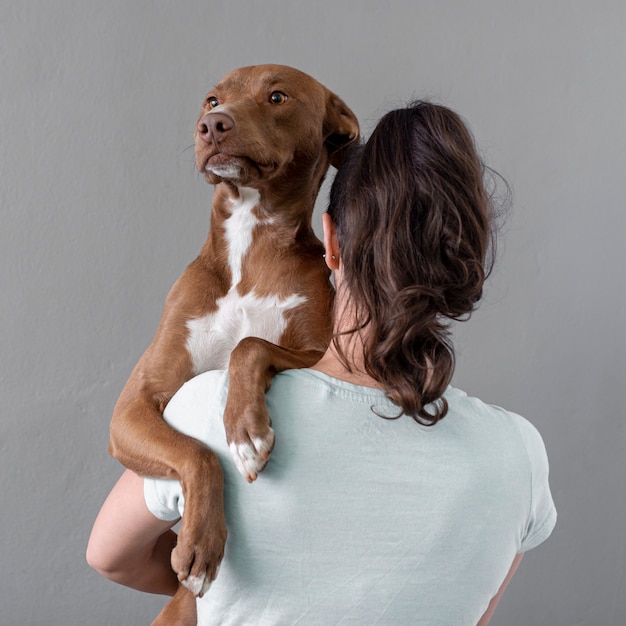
{"x": 212, "y": 101}
{"x": 278, "y": 97}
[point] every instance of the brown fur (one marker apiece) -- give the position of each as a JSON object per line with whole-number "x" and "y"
{"x": 283, "y": 151}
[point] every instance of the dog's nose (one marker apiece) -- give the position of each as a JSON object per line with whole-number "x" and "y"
{"x": 214, "y": 125}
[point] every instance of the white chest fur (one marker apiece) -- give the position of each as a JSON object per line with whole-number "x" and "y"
{"x": 213, "y": 336}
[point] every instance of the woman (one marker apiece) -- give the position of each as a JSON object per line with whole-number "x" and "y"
{"x": 390, "y": 497}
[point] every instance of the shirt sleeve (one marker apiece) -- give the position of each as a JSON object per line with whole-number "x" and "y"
{"x": 164, "y": 498}
{"x": 542, "y": 512}
{"x": 195, "y": 410}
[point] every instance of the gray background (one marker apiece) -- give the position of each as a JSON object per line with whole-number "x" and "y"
{"x": 101, "y": 209}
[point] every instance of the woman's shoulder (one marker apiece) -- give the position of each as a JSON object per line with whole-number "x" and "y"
{"x": 507, "y": 428}
{"x": 199, "y": 398}
{"x": 205, "y": 384}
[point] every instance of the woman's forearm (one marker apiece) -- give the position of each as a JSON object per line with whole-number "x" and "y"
{"x": 129, "y": 545}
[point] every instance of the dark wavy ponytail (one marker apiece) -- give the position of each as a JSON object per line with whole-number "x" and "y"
{"x": 414, "y": 224}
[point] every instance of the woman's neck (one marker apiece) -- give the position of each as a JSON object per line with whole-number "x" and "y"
{"x": 351, "y": 342}
{"x": 332, "y": 365}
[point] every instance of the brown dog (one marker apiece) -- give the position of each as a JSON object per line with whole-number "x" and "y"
{"x": 258, "y": 293}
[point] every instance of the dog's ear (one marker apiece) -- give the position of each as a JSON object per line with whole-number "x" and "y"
{"x": 341, "y": 128}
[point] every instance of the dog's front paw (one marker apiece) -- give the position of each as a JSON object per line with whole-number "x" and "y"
{"x": 197, "y": 561}
{"x": 249, "y": 433}
{"x": 251, "y": 455}
{"x": 199, "y": 585}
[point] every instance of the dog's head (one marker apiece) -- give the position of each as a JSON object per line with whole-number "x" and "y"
{"x": 266, "y": 122}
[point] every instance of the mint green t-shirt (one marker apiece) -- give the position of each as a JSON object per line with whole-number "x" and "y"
{"x": 363, "y": 520}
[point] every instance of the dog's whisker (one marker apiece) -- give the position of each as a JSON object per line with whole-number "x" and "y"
{"x": 189, "y": 147}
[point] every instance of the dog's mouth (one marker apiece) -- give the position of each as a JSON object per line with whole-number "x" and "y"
{"x": 235, "y": 168}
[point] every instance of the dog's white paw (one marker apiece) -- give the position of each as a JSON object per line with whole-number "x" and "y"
{"x": 250, "y": 458}
{"x": 194, "y": 584}
{"x": 198, "y": 585}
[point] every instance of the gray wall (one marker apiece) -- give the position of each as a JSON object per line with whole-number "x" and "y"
{"x": 101, "y": 209}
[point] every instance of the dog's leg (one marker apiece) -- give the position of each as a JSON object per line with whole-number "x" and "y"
{"x": 200, "y": 546}
{"x": 179, "y": 611}
{"x": 171, "y": 454}
{"x": 253, "y": 364}
{"x": 142, "y": 441}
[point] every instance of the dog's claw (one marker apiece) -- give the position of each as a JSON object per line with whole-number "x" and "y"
{"x": 196, "y": 558}
{"x": 195, "y": 584}
{"x": 198, "y": 585}
{"x": 251, "y": 458}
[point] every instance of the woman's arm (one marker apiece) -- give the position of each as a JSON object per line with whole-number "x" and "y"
{"x": 128, "y": 544}
{"x": 484, "y": 620}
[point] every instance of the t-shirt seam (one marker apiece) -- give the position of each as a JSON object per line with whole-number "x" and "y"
{"x": 530, "y": 467}
{"x": 373, "y": 399}
{"x": 530, "y": 540}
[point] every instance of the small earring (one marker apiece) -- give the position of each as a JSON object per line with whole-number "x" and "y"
{"x": 323, "y": 256}
{"x": 333, "y": 257}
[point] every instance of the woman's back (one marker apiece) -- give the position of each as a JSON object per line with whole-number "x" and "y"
{"x": 363, "y": 520}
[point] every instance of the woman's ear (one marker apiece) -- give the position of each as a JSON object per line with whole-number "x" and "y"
{"x": 331, "y": 245}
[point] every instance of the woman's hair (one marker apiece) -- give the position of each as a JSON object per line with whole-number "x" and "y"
{"x": 415, "y": 227}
